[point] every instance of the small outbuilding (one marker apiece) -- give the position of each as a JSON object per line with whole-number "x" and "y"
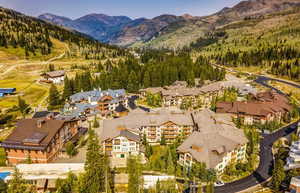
{"x": 7, "y": 91}
{"x": 55, "y": 77}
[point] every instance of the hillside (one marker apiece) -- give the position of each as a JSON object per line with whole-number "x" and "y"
{"x": 29, "y": 45}
{"x": 99, "y": 26}
{"x": 183, "y": 34}
{"x": 32, "y": 38}
{"x": 268, "y": 44}
{"x": 144, "y": 31}
{"x": 169, "y": 31}
{"x": 116, "y": 30}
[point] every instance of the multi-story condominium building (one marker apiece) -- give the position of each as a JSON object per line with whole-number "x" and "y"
{"x": 295, "y": 184}
{"x": 293, "y": 161}
{"x": 208, "y": 137}
{"x": 217, "y": 142}
{"x": 179, "y": 93}
{"x": 55, "y": 77}
{"x": 266, "y": 106}
{"x": 40, "y": 139}
{"x": 96, "y": 102}
{"x": 155, "y": 124}
{"x": 120, "y": 143}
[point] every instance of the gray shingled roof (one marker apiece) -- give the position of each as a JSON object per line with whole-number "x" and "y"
{"x": 96, "y": 95}
{"x": 180, "y": 89}
{"x": 216, "y": 132}
{"x": 139, "y": 118}
{"x": 54, "y": 74}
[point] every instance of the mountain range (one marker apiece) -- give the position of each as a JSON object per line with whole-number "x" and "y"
{"x": 165, "y": 31}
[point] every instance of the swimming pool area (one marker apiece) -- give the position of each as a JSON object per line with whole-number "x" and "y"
{"x": 3, "y": 175}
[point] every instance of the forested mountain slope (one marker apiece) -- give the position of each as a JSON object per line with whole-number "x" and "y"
{"x": 33, "y": 37}
{"x": 182, "y": 34}
{"x": 270, "y": 42}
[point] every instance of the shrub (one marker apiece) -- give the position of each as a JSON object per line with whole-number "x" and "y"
{"x": 70, "y": 149}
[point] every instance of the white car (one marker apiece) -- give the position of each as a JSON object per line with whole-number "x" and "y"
{"x": 219, "y": 183}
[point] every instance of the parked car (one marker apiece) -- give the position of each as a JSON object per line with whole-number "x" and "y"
{"x": 219, "y": 183}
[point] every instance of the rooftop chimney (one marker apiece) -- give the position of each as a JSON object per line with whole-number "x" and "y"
{"x": 197, "y": 148}
{"x": 40, "y": 123}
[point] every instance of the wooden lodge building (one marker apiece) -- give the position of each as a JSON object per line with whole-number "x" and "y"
{"x": 39, "y": 139}
{"x": 55, "y": 77}
{"x": 264, "y": 107}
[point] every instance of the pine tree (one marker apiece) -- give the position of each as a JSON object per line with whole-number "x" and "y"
{"x": 278, "y": 174}
{"x": 147, "y": 80}
{"x": 17, "y": 184}
{"x": 200, "y": 189}
{"x": 210, "y": 188}
{"x": 54, "y": 97}
{"x": 67, "y": 185}
{"x": 93, "y": 180}
{"x": 23, "y": 107}
{"x": 135, "y": 181}
{"x": 3, "y": 186}
{"x": 132, "y": 82}
{"x": 68, "y": 89}
{"x": 148, "y": 150}
{"x": 191, "y": 78}
{"x": 96, "y": 123}
{"x": 170, "y": 163}
{"x": 158, "y": 186}
{"x": 163, "y": 140}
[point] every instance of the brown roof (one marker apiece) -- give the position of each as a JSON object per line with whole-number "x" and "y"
{"x": 28, "y": 135}
{"x": 216, "y": 136}
{"x": 54, "y": 74}
{"x": 137, "y": 119}
{"x": 264, "y": 104}
{"x": 210, "y": 148}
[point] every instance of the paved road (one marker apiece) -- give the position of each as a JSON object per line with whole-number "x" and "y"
{"x": 264, "y": 170}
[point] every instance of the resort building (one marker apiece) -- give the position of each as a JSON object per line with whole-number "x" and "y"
{"x": 120, "y": 143}
{"x": 40, "y": 139}
{"x": 55, "y": 77}
{"x": 264, "y": 107}
{"x": 293, "y": 161}
{"x": 96, "y": 102}
{"x": 208, "y": 137}
{"x": 154, "y": 124}
{"x": 179, "y": 93}
{"x": 295, "y": 184}
{"x": 216, "y": 142}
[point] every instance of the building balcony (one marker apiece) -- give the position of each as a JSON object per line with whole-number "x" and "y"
{"x": 152, "y": 129}
{"x": 169, "y": 133}
{"x": 170, "y": 137}
{"x": 295, "y": 157}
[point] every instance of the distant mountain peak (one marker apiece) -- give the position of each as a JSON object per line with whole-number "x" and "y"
{"x": 187, "y": 16}
{"x": 123, "y": 31}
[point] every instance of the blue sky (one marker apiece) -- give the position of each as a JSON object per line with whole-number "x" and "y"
{"x": 131, "y": 8}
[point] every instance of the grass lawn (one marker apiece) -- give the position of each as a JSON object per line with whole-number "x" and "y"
{"x": 2, "y": 157}
{"x": 27, "y": 88}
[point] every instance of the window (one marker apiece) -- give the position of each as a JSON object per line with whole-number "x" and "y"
{"x": 132, "y": 149}
{"x": 117, "y": 148}
{"x": 132, "y": 144}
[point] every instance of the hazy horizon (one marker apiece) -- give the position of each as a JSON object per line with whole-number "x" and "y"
{"x": 132, "y": 8}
